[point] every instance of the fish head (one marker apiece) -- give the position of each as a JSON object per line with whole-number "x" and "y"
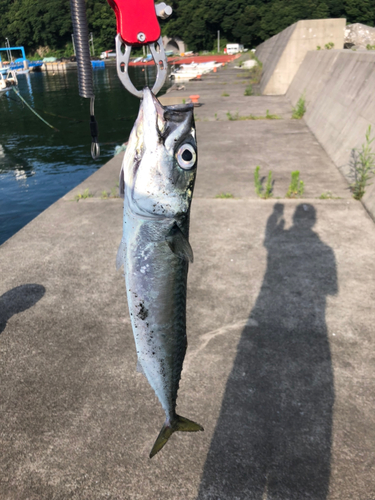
{"x": 162, "y": 159}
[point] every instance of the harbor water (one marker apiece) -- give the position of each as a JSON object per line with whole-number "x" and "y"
{"x": 38, "y": 165}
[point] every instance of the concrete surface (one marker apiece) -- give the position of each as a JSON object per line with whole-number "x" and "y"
{"x": 283, "y": 54}
{"x": 280, "y": 362}
{"x": 338, "y": 86}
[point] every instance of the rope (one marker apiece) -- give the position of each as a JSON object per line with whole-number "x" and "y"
{"x": 31, "y": 109}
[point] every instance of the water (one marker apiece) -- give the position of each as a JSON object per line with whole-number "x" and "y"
{"x": 39, "y": 165}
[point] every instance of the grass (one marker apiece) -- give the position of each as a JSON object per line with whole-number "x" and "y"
{"x": 296, "y": 186}
{"x": 328, "y": 195}
{"x": 249, "y": 90}
{"x": 113, "y": 194}
{"x": 83, "y": 196}
{"x": 225, "y": 94}
{"x": 224, "y": 196}
{"x": 362, "y": 166}
{"x": 327, "y": 46}
{"x": 271, "y": 117}
{"x": 258, "y": 182}
{"x": 300, "y": 109}
{"x": 236, "y": 116}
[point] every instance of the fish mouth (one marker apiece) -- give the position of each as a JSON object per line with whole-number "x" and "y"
{"x": 151, "y": 106}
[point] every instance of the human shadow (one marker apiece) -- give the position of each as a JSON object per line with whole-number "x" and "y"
{"x": 17, "y": 300}
{"x": 273, "y": 436}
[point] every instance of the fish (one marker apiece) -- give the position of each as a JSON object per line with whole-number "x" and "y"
{"x": 157, "y": 181}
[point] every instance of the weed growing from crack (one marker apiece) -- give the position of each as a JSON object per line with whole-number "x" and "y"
{"x": 296, "y": 186}
{"x": 224, "y": 196}
{"x": 83, "y": 196}
{"x": 362, "y": 166}
{"x": 258, "y": 182}
{"x": 249, "y": 90}
{"x": 328, "y": 195}
{"x": 236, "y": 116}
{"x": 300, "y": 109}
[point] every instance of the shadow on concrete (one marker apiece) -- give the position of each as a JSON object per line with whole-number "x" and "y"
{"x": 273, "y": 436}
{"x": 18, "y": 300}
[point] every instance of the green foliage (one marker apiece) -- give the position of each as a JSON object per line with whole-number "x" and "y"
{"x": 224, "y": 94}
{"x": 270, "y": 116}
{"x": 224, "y": 196}
{"x": 113, "y": 194}
{"x": 328, "y": 195}
{"x": 258, "y": 182}
{"x": 231, "y": 117}
{"x": 362, "y": 166}
{"x": 300, "y": 109}
{"x": 329, "y": 45}
{"x": 236, "y": 116}
{"x": 318, "y": 47}
{"x": 83, "y": 196}
{"x": 296, "y": 186}
{"x": 249, "y": 90}
{"x": 370, "y": 47}
{"x": 269, "y": 186}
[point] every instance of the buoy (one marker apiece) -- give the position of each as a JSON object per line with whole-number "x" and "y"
{"x": 194, "y": 99}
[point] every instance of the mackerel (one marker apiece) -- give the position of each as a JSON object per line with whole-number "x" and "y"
{"x": 157, "y": 180}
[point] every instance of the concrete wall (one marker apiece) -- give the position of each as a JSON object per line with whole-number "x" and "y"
{"x": 283, "y": 54}
{"x": 340, "y": 99}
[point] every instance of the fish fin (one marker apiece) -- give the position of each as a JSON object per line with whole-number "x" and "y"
{"x": 179, "y": 424}
{"x": 179, "y": 244}
{"x": 121, "y": 183}
{"x": 140, "y": 368}
{"x": 120, "y": 255}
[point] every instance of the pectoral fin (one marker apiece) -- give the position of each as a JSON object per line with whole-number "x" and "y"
{"x": 122, "y": 182}
{"x": 179, "y": 244}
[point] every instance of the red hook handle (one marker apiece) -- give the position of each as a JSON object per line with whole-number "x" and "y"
{"x": 137, "y": 23}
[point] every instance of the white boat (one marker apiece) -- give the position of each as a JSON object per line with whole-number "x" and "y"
{"x": 189, "y": 71}
{"x": 7, "y": 81}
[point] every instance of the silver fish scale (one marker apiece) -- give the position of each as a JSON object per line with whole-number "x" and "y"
{"x": 157, "y": 306}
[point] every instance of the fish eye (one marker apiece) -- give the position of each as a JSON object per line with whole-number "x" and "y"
{"x": 186, "y": 156}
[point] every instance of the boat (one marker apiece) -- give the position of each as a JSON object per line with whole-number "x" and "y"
{"x": 7, "y": 81}
{"x": 192, "y": 70}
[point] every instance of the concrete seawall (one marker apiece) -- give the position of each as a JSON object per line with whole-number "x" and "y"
{"x": 283, "y": 54}
{"x": 339, "y": 90}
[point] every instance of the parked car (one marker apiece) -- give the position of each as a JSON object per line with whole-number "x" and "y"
{"x": 234, "y": 48}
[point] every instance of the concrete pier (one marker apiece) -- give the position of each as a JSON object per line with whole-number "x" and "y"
{"x": 280, "y": 363}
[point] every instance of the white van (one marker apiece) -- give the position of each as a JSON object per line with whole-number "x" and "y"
{"x": 234, "y": 48}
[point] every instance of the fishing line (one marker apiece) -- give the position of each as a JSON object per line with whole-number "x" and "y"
{"x": 33, "y": 110}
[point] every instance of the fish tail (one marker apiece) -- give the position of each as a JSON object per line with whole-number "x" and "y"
{"x": 179, "y": 424}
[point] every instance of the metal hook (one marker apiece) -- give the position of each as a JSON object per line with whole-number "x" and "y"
{"x": 123, "y": 59}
